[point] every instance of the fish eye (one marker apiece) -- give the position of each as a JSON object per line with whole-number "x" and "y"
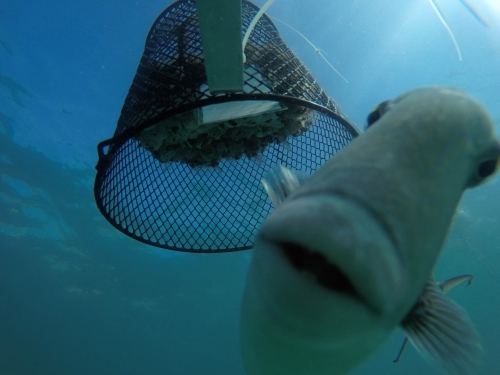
{"x": 372, "y": 117}
{"x": 377, "y": 113}
{"x": 486, "y": 169}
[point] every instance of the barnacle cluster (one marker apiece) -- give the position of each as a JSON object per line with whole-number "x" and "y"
{"x": 182, "y": 138}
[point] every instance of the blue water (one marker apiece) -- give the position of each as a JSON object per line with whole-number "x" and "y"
{"x": 78, "y": 297}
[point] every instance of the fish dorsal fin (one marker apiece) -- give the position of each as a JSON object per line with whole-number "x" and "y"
{"x": 441, "y": 331}
{"x": 280, "y": 182}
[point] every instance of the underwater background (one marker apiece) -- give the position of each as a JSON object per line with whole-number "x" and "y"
{"x": 79, "y": 297}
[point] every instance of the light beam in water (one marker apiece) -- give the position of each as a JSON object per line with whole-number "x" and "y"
{"x": 316, "y": 49}
{"x": 445, "y": 24}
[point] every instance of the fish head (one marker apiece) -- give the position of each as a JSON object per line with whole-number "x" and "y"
{"x": 438, "y": 143}
{"x": 339, "y": 264}
{"x": 316, "y": 302}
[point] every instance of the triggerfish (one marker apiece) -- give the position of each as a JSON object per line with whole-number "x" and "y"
{"x": 348, "y": 255}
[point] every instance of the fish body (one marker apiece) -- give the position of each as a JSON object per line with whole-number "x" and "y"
{"x": 348, "y": 254}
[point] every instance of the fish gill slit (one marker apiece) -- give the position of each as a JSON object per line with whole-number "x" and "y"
{"x": 316, "y": 264}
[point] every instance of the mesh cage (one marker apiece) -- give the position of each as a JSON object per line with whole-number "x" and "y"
{"x": 171, "y": 181}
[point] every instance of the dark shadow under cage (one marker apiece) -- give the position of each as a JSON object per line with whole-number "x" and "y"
{"x": 182, "y": 174}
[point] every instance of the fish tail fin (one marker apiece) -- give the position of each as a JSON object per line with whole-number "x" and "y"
{"x": 279, "y": 182}
{"x": 442, "y": 332}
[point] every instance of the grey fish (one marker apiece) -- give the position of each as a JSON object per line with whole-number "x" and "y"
{"x": 348, "y": 254}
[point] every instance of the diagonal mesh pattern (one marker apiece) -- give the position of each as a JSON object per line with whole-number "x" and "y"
{"x": 171, "y": 73}
{"x": 173, "y": 205}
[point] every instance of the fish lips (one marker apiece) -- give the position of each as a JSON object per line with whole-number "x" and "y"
{"x": 342, "y": 246}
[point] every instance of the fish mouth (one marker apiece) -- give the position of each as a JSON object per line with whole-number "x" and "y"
{"x": 317, "y": 266}
{"x": 341, "y": 246}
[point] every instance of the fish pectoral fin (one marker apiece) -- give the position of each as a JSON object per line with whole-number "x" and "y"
{"x": 441, "y": 331}
{"x": 448, "y": 285}
{"x": 279, "y": 182}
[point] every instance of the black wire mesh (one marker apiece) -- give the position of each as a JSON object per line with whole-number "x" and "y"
{"x": 208, "y": 209}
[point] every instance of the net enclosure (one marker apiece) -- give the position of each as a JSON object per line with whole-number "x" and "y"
{"x": 183, "y": 168}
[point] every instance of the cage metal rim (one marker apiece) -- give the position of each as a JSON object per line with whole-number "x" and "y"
{"x": 118, "y": 140}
